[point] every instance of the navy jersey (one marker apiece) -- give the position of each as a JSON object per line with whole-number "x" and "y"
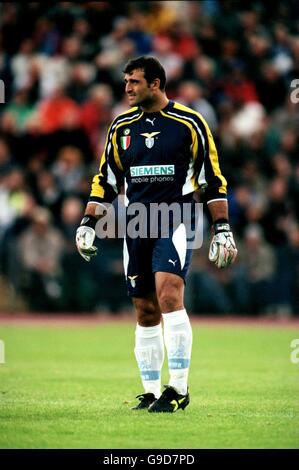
{"x": 158, "y": 157}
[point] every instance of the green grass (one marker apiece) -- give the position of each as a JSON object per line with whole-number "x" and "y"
{"x": 72, "y": 387}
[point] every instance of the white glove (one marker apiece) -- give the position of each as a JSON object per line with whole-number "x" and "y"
{"x": 223, "y": 251}
{"x": 84, "y": 240}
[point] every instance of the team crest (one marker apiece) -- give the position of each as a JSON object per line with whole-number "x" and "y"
{"x": 132, "y": 279}
{"x": 149, "y": 141}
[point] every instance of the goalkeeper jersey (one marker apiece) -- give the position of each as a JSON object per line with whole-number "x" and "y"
{"x": 158, "y": 157}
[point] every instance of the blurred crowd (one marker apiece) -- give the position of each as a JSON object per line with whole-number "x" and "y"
{"x": 234, "y": 62}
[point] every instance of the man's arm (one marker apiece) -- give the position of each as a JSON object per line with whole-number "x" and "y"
{"x": 91, "y": 209}
{"x": 222, "y": 250}
{"x": 218, "y": 210}
{"x": 105, "y": 187}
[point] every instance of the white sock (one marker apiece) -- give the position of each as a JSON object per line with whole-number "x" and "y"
{"x": 178, "y": 342}
{"x": 149, "y": 353}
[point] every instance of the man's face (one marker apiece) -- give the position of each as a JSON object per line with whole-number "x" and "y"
{"x": 139, "y": 92}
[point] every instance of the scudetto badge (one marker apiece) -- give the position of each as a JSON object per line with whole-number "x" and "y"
{"x": 125, "y": 141}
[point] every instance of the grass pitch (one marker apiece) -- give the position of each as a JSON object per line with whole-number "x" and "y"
{"x": 73, "y": 387}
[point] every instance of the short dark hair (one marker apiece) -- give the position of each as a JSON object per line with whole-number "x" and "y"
{"x": 151, "y": 67}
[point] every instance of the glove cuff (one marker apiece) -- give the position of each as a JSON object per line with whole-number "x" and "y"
{"x": 89, "y": 221}
{"x": 221, "y": 225}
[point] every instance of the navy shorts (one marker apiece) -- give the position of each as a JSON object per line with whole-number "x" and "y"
{"x": 145, "y": 256}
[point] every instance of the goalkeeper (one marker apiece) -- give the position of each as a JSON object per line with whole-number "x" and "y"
{"x": 174, "y": 145}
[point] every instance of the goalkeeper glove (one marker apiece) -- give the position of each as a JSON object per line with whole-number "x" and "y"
{"x": 223, "y": 251}
{"x": 85, "y": 236}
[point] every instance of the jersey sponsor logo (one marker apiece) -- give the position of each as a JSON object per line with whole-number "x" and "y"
{"x": 125, "y": 141}
{"x": 149, "y": 138}
{"x": 148, "y": 170}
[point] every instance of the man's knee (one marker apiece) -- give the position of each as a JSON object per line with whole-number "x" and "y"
{"x": 168, "y": 300}
{"x": 170, "y": 293}
{"x": 148, "y": 311}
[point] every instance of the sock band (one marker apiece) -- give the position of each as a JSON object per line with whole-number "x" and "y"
{"x": 175, "y": 318}
{"x": 148, "y": 331}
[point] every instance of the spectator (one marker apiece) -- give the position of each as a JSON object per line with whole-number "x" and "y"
{"x": 6, "y": 160}
{"x": 56, "y": 111}
{"x": 191, "y": 94}
{"x": 82, "y": 75}
{"x": 96, "y": 111}
{"x": 47, "y": 192}
{"x": 138, "y": 33}
{"x": 46, "y": 36}
{"x": 21, "y": 65}
{"x": 183, "y": 42}
{"x": 271, "y": 87}
{"x": 257, "y": 260}
{"x": 171, "y": 61}
{"x": 68, "y": 169}
{"x": 13, "y": 197}
{"x": 41, "y": 247}
{"x": 20, "y": 109}
{"x": 159, "y": 17}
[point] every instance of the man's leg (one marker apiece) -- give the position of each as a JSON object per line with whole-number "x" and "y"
{"x": 177, "y": 328}
{"x": 149, "y": 346}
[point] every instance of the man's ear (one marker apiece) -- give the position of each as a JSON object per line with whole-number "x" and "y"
{"x": 155, "y": 85}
